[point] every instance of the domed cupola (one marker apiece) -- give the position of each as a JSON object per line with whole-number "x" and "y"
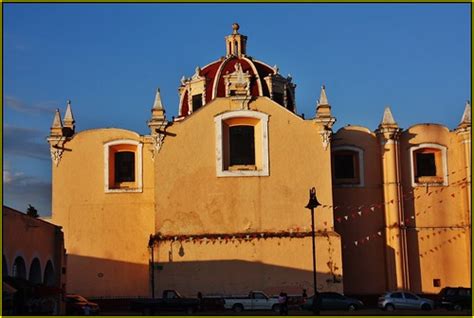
{"x": 236, "y": 74}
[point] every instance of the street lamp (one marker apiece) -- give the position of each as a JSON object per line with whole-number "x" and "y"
{"x": 312, "y": 204}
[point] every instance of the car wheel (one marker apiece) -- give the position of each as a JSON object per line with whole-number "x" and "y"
{"x": 238, "y": 308}
{"x": 352, "y": 307}
{"x": 389, "y": 307}
{"x": 426, "y": 307}
{"x": 457, "y": 307}
{"x": 276, "y": 308}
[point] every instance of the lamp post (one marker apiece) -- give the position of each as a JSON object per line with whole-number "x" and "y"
{"x": 151, "y": 245}
{"x": 312, "y": 204}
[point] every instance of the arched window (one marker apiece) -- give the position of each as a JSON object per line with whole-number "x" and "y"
{"x": 19, "y": 268}
{"x": 241, "y": 144}
{"x": 49, "y": 279}
{"x": 123, "y": 166}
{"x": 35, "y": 272}
{"x": 348, "y": 166}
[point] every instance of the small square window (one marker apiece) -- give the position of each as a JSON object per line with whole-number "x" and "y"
{"x": 436, "y": 282}
{"x": 425, "y": 165}
{"x": 347, "y": 166}
{"x": 428, "y": 164}
{"x": 344, "y": 166}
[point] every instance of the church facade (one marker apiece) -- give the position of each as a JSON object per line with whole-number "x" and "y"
{"x": 214, "y": 200}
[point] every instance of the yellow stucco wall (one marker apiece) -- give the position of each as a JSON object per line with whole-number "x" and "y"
{"x": 440, "y": 248}
{"x": 436, "y": 216}
{"x": 106, "y": 234}
{"x": 357, "y": 227}
{"x": 191, "y": 199}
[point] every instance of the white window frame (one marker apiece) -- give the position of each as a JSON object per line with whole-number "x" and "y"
{"x": 444, "y": 164}
{"x": 138, "y": 164}
{"x": 218, "y": 121}
{"x": 360, "y": 153}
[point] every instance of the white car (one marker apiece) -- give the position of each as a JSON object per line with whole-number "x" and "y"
{"x": 256, "y": 300}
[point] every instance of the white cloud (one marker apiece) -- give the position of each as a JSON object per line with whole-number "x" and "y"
{"x": 43, "y": 108}
{"x": 21, "y": 190}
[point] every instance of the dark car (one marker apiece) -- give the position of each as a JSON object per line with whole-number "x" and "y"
{"x": 455, "y": 298}
{"x": 78, "y": 305}
{"x": 333, "y": 301}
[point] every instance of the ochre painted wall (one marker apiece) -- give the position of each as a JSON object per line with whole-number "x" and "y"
{"x": 191, "y": 199}
{"x": 440, "y": 247}
{"x": 436, "y": 217}
{"x": 364, "y": 260}
{"x": 106, "y": 234}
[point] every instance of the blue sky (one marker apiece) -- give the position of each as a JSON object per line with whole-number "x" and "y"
{"x": 110, "y": 58}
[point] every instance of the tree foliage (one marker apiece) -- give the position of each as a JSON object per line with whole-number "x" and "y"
{"x": 31, "y": 211}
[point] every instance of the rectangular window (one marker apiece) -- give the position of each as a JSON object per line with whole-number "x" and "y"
{"x": 425, "y": 165}
{"x": 124, "y": 166}
{"x": 428, "y": 164}
{"x": 242, "y": 145}
{"x": 344, "y": 166}
{"x": 197, "y": 102}
{"x": 347, "y": 167}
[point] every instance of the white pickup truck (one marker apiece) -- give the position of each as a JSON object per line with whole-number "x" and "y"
{"x": 256, "y": 300}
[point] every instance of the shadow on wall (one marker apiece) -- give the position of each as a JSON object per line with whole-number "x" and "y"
{"x": 98, "y": 277}
{"x": 101, "y": 278}
{"x": 239, "y": 277}
{"x": 359, "y": 217}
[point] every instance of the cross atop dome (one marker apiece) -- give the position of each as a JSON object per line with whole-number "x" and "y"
{"x": 236, "y": 43}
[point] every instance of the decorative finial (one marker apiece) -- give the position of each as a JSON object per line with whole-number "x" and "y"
{"x": 387, "y": 118}
{"x": 157, "y": 104}
{"x": 466, "y": 116}
{"x": 57, "y": 123}
{"x": 68, "y": 116}
{"x": 323, "y": 99}
{"x": 235, "y": 28}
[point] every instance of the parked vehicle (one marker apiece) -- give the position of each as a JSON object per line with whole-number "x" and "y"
{"x": 333, "y": 301}
{"x": 455, "y": 298}
{"x": 171, "y": 301}
{"x": 404, "y": 300}
{"x": 256, "y": 300}
{"x": 78, "y": 305}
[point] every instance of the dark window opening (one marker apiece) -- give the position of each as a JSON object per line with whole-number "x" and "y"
{"x": 197, "y": 102}
{"x": 436, "y": 282}
{"x": 425, "y": 165}
{"x": 242, "y": 145}
{"x": 344, "y": 166}
{"x": 278, "y": 97}
{"x": 124, "y": 166}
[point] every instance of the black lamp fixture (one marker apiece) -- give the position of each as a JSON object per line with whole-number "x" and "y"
{"x": 312, "y": 204}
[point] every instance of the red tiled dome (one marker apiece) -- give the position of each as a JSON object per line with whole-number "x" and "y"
{"x": 212, "y": 76}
